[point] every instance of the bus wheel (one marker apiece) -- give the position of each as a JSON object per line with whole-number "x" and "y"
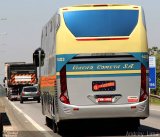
{"x": 54, "y": 127}
{"x": 21, "y": 101}
{"x": 38, "y": 101}
{"x": 49, "y": 122}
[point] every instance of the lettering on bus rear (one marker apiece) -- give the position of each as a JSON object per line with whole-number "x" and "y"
{"x": 103, "y": 66}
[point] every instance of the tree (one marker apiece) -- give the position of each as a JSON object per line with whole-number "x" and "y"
{"x": 158, "y": 73}
{"x": 156, "y": 52}
{"x": 155, "y": 48}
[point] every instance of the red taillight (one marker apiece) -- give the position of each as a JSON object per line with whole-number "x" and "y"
{"x": 143, "y": 93}
{"x": 38, "y": 93}
{"x": 92, "y": 39}
{"x": 23, "y": 94}
{"x": 64, "y": 98}
{"x": 63, "y": 81}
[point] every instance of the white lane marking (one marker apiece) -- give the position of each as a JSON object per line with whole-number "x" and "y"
{"x": 37, "y": 126}
{"x": 155, "y": 110}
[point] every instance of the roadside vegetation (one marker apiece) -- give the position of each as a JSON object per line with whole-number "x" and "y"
{"x": 154, "y": 101}
{"x": 155, "y": 51}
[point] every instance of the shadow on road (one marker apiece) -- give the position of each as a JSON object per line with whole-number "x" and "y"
{"x": 103, "y": 127}
{"x": 94, "y": 132}
{"x": 148, "y": 131}
{"x": 91, "y": 132}
{"x": 106, "y": 131}
{"x": 5, "y": 119}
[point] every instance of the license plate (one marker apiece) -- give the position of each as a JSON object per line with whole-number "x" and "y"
{"x": 103, "y": 85}
{"x": 104, "y": 100}
{"x": 14, "y": 96}
{"x": 30, "y": 98}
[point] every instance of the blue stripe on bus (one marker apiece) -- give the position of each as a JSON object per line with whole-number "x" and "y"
{"x": 101, "y": 75}
{"x": 63, "y": 59}
{"x": 143, "y": 57}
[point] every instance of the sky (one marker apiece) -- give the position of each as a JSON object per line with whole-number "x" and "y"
{"x": 21, "y": 22}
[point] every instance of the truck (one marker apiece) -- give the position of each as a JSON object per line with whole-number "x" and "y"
{"x": 18, "y": 75}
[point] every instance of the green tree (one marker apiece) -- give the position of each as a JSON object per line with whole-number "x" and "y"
{"x": 157, "y": 90}
{"x": 154, "y": 51}
{"x": 155, "y": 48}
{"x": 158, "y": 73}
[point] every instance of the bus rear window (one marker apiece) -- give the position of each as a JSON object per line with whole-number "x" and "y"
{"x": 101, "y": 23}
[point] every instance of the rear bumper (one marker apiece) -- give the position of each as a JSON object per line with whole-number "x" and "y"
{"x": 13, "y": 96}
{"x": 72, "y": 112}
{"x": 30, "y": 98}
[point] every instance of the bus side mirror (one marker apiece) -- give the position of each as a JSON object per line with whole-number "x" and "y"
{"x": 38, "y": 57}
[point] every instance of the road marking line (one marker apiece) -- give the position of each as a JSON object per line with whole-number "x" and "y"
{"x": 37, "y": 126}
{"x": 155, "y": 110}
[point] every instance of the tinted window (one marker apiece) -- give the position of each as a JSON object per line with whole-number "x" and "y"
{"x": 31, "y": 89}
{"x": 101, "y": 23}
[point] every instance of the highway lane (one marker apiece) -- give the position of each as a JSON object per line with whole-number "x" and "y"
{"x": 23, "y": 125}
{"x": 149, "y": 126}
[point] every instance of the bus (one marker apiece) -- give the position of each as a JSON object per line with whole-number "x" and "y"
{"x": 93, "y": 64}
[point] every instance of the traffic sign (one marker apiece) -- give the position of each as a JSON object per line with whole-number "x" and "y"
{"x": 152, "y": 72}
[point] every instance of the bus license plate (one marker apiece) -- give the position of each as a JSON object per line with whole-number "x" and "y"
{"x": 103, "y": 85}
{"x": 104, "y": 100}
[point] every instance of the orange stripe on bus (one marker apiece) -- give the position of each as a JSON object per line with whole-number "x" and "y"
{"x": 48, "y": 81}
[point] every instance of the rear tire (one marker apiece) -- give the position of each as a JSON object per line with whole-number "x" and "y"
{"x": 21, "y": 101}
{"x": 54, "y": 127}
{"x": 49, "y": 122}
{"x": 38, "y": 101}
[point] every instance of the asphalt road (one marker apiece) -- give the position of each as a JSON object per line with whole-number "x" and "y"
{"x": 27, "y": 121}
{"x": 22, "y": 125}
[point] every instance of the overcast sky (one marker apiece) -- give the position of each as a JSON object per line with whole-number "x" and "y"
{"x": 21, "y": 22}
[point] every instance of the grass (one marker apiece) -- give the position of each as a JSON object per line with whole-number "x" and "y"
{"x": 154, "y": 101}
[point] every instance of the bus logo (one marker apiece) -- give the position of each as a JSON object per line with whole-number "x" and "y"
{"x": 103, "y": 85}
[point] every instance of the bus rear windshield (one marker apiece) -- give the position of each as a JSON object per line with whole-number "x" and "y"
{"x": 101, "y": 23}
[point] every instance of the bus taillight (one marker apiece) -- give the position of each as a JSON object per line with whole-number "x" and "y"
{"x": 143, "y": 93}
{"x": 63, "y": 81}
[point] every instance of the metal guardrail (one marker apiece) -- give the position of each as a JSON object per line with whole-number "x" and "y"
{"x": 155, "y": 96}
{"x": 2, "y": 109}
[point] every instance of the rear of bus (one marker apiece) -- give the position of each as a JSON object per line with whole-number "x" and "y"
{"x": 102, "y": 63}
